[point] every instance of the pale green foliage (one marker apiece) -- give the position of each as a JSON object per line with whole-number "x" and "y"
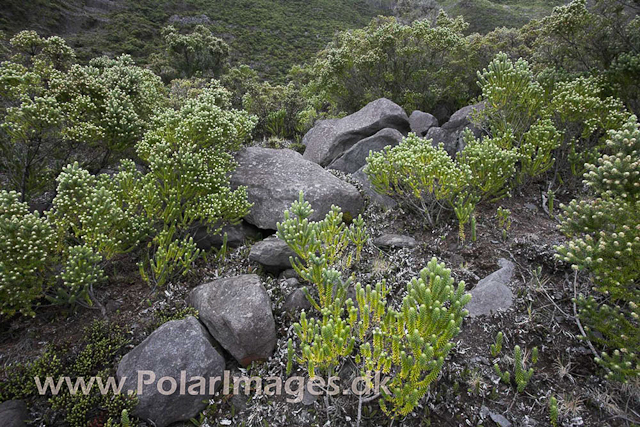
{"x": 517, "y": 104}
{"x": 80, "y": 271}
{"x": 277, "y": 108}
{"x": 52, "y": 51}
{"x": 599, "y": 37}
{"x": 605, "y": 239}
{"x": 189, "y": 158}
{"x": 197, "y": 52}
{"x": 415, "y": 65}
{"x": 26, "y": 243}
{"x": 553, "y": 411}
{"x": 492, "y": 162}
{"x": 425, "y": 178}
{"x": 511, "y": 96}
{"x": 410, "y": 344}
{"x": 496, "y": 348}
{"x": 320, "y": 245}
{"x": 56, "y": 113}
{"x": 107, "y": 105}
{"x": 91, "y": 210}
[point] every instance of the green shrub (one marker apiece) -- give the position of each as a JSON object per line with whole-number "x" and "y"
{"x": 189, "y": 156}
{"x": 559, "y": 122}
{"x": 96, "y": 355}
{"x": 409, "y": 344}
{"x": 417, "y": 66}
{"x": 198, "y": 52}
{"x": 492, "y": 162}
{"x": 54, "y": 112}
{"x": 277, "y": 108}
{"x": 80, "y": 272}
{"x": 320, "y": 244}
{"x": 605, "y": 239}
{"x": 27, "y": 242}
{"x": 424, "y": 178}
{"x": 91, "y": 210}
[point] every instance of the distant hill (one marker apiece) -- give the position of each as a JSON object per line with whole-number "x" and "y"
{"x": 268, "y": 35}
{"x": 485, "y": 15}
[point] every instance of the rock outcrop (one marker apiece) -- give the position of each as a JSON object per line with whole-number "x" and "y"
{"x": 395, "y": 241}
{"x": 272, "y": 253}
{"x": 13, "y": 413}
{"x": 450, "y": 134}
{"x": 492, "y": 293}
{"x": 237, "y": 313}
{"x": 274, "y": 179}
{"x": 328, "y": 139}
{"x": 356, "y": 157}
{"x": 179, "y": 350}
{"x": 420, "y": 122}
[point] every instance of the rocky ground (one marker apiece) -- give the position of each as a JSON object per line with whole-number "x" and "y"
{"x": 248, "y": 300}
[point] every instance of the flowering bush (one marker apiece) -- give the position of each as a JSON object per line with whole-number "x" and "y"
{"x": 425, "y": 178}
{"x": 26, "y": 244}
{"x": 605, "y": 239}
{"x": 188, "y": 154}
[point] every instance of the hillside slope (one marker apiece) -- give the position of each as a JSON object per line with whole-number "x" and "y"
{"x": 269, "y": 35}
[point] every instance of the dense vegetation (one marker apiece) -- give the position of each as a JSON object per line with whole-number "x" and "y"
{"x": 103, "y": 158}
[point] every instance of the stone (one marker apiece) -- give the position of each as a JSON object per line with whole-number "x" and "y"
{"x": 450, "y": 134}
{"x": 495, "y": 417}
{"x": 462, "y": 117}
{"x": 274, "y": 179}
{"x": 421, "y": 122}
{"x": 237, "y": 235}
{"x": 237, "y": 313}
{"x": 395, "y": 241}
{"x": 272, "y": 253}
{"x": 288, "y": 274}
{"x": 356, "y": 157}
{"x": 328, "y": 140}
{"x": 491, "y": 294}
{"x": 13, "y": 413}
{"x": 379, "y": 199}
{"x": 179, "y": 349}
{"x": 295, "y": 302}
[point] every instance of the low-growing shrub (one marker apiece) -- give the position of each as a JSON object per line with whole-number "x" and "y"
{"x": 99, "y": 347}
{"x": 424, "y": 178}
{"x": 410, "y": 343}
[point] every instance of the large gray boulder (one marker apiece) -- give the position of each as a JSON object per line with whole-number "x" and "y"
{"x": 463, "y": 117}
{"x": 492, "y": 294}
{"x": 13, "y": 413}
{"x": 379, "y": 199}
{"x": 272, "y": 253}
{"x": 274, "y": 179}
{"x": 237, "y": 313}
{"x": 329, "y": 139}
{"x": 450, "y": 134}
{"x": 236, "y": 235}
{"x": 356, "y": 156}
{"x": 421, "y": 122}
{"x": 176, "y": 348}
